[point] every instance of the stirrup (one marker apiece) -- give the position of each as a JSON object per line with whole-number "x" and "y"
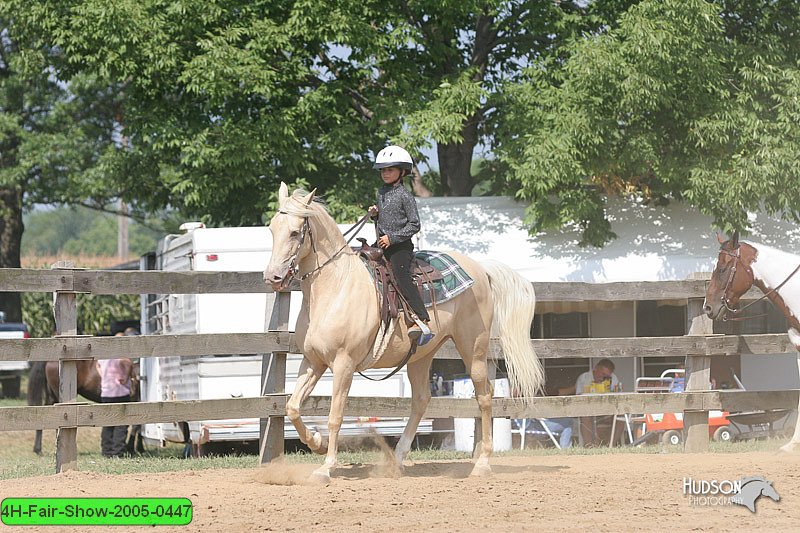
{"x": 420, "y": 332}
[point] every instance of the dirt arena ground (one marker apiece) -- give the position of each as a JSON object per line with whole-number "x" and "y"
{"x": 611, "y": 492}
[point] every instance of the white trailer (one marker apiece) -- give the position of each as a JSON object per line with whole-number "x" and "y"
{"x": 11, "y": 372}
{"x": 236, "y": 375}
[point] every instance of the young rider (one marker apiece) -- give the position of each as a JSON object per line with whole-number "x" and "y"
{"x": 397, "y": 221}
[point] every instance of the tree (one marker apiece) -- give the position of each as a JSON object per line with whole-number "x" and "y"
{"x": 52, "y": 137}
{"x": 223, "y": 100}
{"x": 685, "y": 99}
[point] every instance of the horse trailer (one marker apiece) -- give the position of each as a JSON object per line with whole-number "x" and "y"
{"x": 235, "y": 375}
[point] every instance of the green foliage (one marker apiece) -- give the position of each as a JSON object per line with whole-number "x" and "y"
{"x": 37, "y": 313}
{"x": 222, "y": 100}
{"x": 96, "y": 312}
{"x": 688, "y": 100}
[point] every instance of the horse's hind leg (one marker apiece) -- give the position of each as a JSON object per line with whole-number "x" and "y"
{"x": 418, "y": 375}
{"x": 307, "y": 378}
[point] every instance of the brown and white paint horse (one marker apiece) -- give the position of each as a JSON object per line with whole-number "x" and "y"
{"x": 340, "y": 317}
{"x": 741, "y": 265}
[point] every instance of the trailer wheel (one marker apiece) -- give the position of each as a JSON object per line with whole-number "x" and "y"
{"x": 672, "y": 437}
{"x": 723, "y": 434}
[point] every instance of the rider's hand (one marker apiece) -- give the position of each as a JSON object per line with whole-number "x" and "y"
{"x": 373, "y": 210}
{"x": 383, "y": 242}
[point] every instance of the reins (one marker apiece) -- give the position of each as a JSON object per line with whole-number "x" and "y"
{"x": 294, "y": 268}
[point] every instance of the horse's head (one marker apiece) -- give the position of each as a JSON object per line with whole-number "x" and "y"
{"x": 732, "y": 277}
{"x": 290, "y": 229}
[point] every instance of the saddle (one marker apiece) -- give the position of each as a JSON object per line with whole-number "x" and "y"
{"x": 392, "y": 300}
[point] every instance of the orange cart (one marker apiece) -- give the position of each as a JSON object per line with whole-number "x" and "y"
{"x": 669, "y": 426}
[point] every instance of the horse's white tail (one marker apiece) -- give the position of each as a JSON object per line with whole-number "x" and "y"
{"x": 514, "y": 304}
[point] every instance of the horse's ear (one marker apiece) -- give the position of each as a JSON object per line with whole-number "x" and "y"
{"x": 720, "y": 239}
{"x": 283, "y": 193}
{"x": 735, "y": 239}
{"x": 307, "y": 199}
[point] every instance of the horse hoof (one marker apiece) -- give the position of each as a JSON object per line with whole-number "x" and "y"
{"x": 320, "y": 478}
{"x": 481, "y": 471}
{"x": 318, "y": 444}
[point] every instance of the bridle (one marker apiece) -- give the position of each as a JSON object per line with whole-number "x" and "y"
{"x": 737, "y": 259}
{"x": 737, "y": 255}
{"x": 294, "y": 268}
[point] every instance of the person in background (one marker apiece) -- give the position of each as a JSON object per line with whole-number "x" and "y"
{"x": 600, "y": 379}
{"x": 115, "y": 377}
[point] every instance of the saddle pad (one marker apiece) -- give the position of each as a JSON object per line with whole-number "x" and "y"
{"x": 455, "y": 279}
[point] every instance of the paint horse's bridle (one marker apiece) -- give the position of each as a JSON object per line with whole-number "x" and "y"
{"x": 737, "y": 259}
{"x": 737, "y": 255}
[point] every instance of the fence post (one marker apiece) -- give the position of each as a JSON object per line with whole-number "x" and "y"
{"x": 273, "y": 380}
{"x": 698, "y": 378}
{"x": 65, "y": 310}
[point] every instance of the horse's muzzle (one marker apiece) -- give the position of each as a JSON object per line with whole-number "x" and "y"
{"x": 278, "y": 282}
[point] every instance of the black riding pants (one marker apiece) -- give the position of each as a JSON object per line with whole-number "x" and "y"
{"x": 401, "y": 255}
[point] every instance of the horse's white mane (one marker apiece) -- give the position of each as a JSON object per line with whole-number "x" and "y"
{"x": 761, "y": 247}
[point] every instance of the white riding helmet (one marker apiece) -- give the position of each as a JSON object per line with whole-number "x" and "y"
{"x": 393, "y": 156}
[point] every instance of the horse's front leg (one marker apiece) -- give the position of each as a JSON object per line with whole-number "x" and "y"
{"x": 37, "y": 442}
{"x": 307, "y": 378}
{"x": 795, "y": 441}
{"x": 418, "y": 373}
{"x": 342, "y": 369}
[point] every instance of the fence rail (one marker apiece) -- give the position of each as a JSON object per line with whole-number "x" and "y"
{"x": 87, "y": 347}
{"x": 159, "y": 282}
{"x": 67, "y": 283}
{"x": 98, "y": 414}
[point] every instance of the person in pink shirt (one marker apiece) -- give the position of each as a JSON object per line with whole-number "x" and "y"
{"x": 115, "y": 377}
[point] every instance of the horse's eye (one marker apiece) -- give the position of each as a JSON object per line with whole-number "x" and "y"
{"x": 294, "y": 234}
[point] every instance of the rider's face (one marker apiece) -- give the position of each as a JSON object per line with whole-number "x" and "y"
{"x": 390, "y": 174}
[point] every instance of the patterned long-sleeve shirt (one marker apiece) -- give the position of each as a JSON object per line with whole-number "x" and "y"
{"x": 397, "y": 213}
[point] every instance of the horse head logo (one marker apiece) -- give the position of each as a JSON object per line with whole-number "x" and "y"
{"x": 752, "y": 488}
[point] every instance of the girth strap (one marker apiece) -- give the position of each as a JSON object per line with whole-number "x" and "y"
{"x": 400, "y": 365}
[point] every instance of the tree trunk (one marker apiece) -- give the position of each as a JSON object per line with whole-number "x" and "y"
{"x": 455, "y": 161}
{"x": 417, "y": 186}
{"x": 11, "y": 229}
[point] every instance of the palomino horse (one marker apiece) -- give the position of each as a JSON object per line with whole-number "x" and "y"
{"x": 339, "y": 322}
{"x": 741, "y": 265}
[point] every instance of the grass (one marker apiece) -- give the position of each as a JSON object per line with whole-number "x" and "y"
{"x": 17, "y": 458}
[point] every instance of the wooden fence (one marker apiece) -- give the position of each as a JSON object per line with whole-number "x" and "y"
{"x": 67, "y": 347}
